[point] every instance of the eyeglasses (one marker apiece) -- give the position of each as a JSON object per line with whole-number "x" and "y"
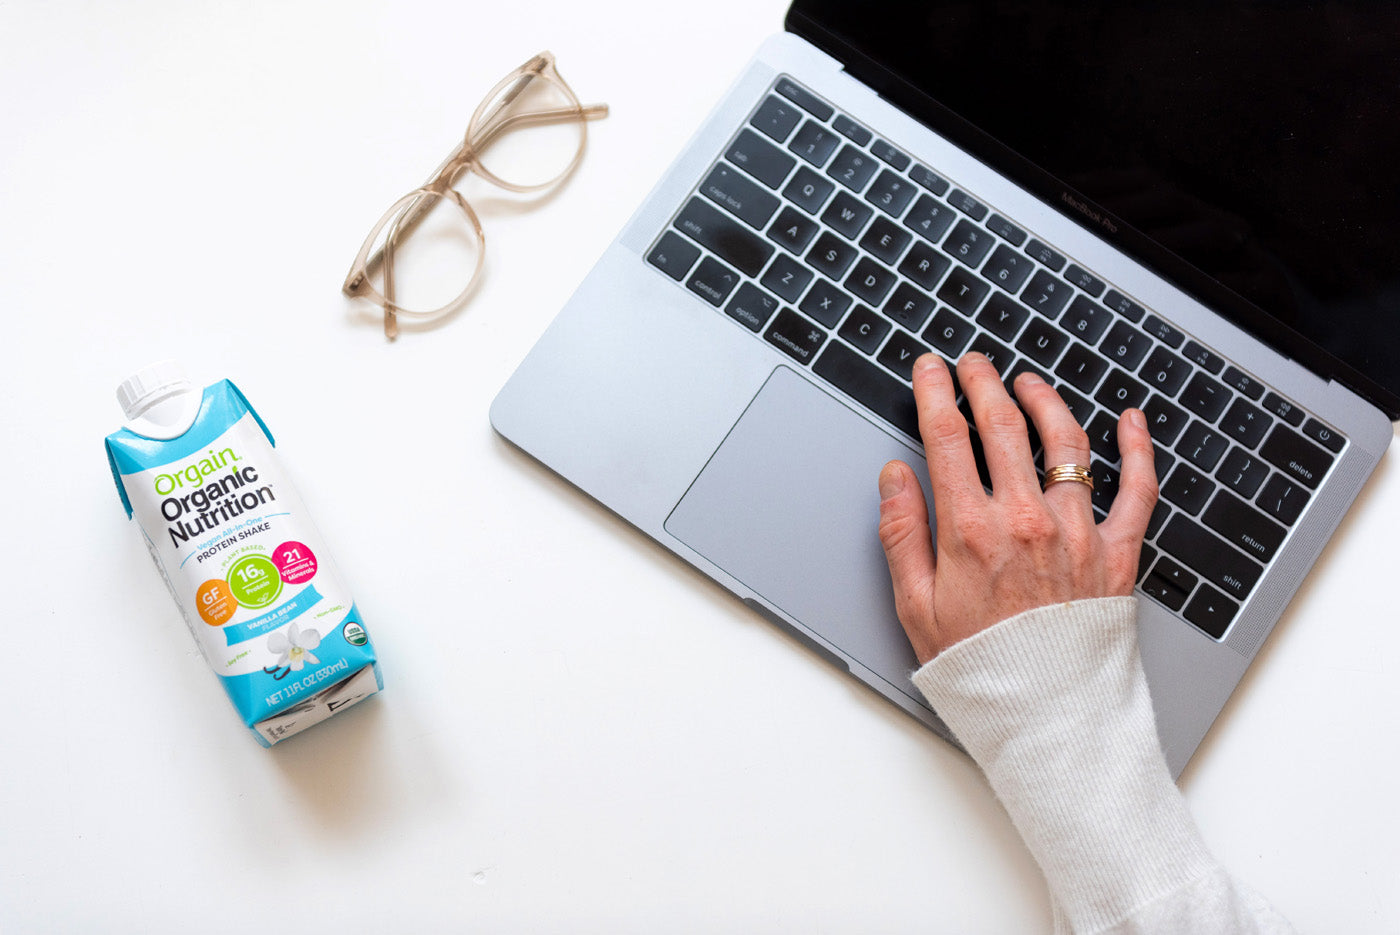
{"x": 423, "y": 256}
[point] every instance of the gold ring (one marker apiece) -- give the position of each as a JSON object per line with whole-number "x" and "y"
{"x": 1069, "y": 472}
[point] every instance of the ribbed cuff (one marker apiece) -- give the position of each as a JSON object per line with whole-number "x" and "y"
{"x": 1054, "y": 706}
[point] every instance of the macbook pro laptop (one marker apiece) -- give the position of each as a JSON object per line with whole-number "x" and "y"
{"x": 1189, "y": 208}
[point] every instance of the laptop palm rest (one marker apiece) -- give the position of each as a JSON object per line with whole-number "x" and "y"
{"x": 788, "y": 506}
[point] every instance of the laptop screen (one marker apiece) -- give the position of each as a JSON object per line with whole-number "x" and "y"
{"x": 1248, "y": 151}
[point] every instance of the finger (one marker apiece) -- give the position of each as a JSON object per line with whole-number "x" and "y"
{"x": 1137, "y": 489}
{"x": 1064, "y": 439}
{"x": 1001, "y": 426}
{"x": 951, "y": 468}
{"x": 908, "y": 544}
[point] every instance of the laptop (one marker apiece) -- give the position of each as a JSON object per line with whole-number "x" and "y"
{"x": 1189, "y": 208}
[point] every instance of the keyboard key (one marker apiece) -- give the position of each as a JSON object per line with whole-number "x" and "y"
{"x": 1042, "y": 342}
{"x": 1086, "y": 320}
{"x": 1282, "y": 499}
{"x": 1246, "y": 423}
{"x": 1188, "y": 489}
{"x": 885, "y": 241}
{"x": 967, "y": 204}
{"x": 1006, "y": 230}
{"x": 1243, "y": 382}
{"x": 924, "y": 266}
{"x": 909, "y": 307}
{"x": 1160, "y": 514}
{"x": 1124, "y": 306}
{"x": 832, "y": 255}
{"x": 762, "y": 160}
{"x": 1243, "y": 526}
{"x": 999, "y": 354}
{"x": 1003, "y": 316}
{"x": 1119, "y": 391}
{"x": 1164, "y": 421}
{"x": 968, "y": 243}
{"x": 1165, "y": 372}
{"x": 870, "y": 281}
{"x": 846, "y": 216}
{"x": 1202, "y": 446}
{"x": 887, "y": 153}
{"x": 899, "y": 354}
{"x": 1211, "y": 612}
{"x": 891, "y": 193}
{"x": 1082, "y": 409}
{"x": 929, "y": 218}
{"x": 1169, "y": 583}
{"x": 864, "y": 329}
{"x": 1081, "y": 367}
{"x": 787, "y": 277}
{"x": 1202, "y": 357}
{"x": 1284, "y": 409}
{"x": 804, "y": 99}
{"x": 793, "y": 230}
{"x": 776, "y": 117}
{"x": 673, "y": 255}
{"x": 1163, "y": 332}
{"x": 736, "y": 194}
{"x": 852, "y": 168}
{"x": 1242, "y": 472}
{"x": 1045, "y": 255}
{"x": 1046, "y": 294}
{"x": 1105, "y": 486}
{"x": 825, "y": 303}
{"x": 1103, "y": 437}
{"x": 1085, "y": 280}
{"x": 949, "y": 332}
{"x": 795, "y": 336}
{"x": 1210, "y": 557}
{"x": 814, "y": 143}
{"x": 1205, "y": 397}
{"x": 725, "y": 237}
{"x": 869, "y": 385}
{"x": 851, "y": 130}
{"x": 1295, "y": 456}
{"x": 963, "y": 290}
{"x": 1323, "y": 435}
{"x": 925, "y": 177}
{"x": 1125, "y": 345}
{"x": 713, "y": 281}
{"x": 751, "y": 307}
{"x": 1007, "y": 269}
{"x": 808, "y": 190}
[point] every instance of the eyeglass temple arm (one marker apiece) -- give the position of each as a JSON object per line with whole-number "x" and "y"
{"x": 457, "y": 160}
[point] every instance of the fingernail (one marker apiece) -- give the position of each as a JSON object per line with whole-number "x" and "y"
{"x": 891, "y": 482}
{"x": 1139, "y": 420}
{"x": 1031, "y": 377}
{"x": 925, "y": 362}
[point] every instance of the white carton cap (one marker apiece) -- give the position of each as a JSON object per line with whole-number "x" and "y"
{"x": 159, "y": 401}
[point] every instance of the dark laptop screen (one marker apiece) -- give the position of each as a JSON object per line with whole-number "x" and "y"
{"x": 1256, "y": 143}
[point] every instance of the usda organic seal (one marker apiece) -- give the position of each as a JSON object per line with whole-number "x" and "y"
{"x": 355, "y": 634}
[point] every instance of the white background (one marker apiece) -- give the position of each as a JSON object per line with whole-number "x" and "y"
{"x": 579, "y": 733}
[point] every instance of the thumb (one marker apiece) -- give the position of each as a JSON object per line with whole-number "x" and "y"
{"x": 908, "y": 543}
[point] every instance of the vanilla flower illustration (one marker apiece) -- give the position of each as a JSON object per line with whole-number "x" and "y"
{"x": 294, "y": 647}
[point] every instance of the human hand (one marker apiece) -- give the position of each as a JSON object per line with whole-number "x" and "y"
{"x": 1017, "y": 548}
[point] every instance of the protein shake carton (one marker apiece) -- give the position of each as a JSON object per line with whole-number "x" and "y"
{"x": 239, "y": 552}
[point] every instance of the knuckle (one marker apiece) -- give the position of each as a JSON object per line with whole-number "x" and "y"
{"x": 944, "y": 428}
{"x": 1002, "y": 416}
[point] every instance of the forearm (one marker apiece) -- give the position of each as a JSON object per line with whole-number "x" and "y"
{"x": 1054, "y": 706}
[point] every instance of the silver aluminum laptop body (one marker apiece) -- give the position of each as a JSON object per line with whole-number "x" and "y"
{"x": 740, "y": 461}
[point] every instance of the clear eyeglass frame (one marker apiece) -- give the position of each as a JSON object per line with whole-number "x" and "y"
{"x": 372, "y": 276}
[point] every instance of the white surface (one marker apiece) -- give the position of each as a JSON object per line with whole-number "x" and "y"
{"x": 579, "y": 733}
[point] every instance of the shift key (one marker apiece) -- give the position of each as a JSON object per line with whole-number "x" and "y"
{"x": 721, "y": 234}
{"x": 1217, "y": 561}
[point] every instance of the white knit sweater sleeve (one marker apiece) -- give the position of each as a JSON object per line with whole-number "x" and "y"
{"x": 1053, "y": 705}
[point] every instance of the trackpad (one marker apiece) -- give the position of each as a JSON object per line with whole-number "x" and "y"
{"x": 789, "y": 506}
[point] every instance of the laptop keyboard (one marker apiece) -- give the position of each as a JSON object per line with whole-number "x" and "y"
{"x": 851, "y": 258}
